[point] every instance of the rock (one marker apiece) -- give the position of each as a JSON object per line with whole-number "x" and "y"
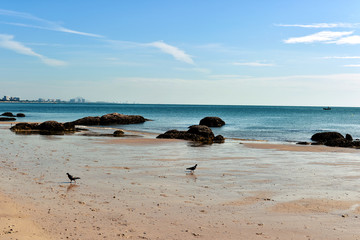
{"x": 219, "y": 139}
{"x": 51, "y": 126}
{"x": 8, "y": 114}
{"x": 118, "y": 133}
{"x": 111, "y": 118}
{"x": 20, "y": 115}
{"x": 334, "y": 139}
{"x": 212, "y": 122}
{"x": 339, "y": 142}
{"x": 87, "y": 121}
{"x": 7, "y": 119}
{"x": 117, "y": 118}
{"x": 196, "y": 133}
{"x": 48, "y": 127}
{"x": 303, "y": 143}
{"x": 349, "y": 137}
{"x": 25, "y": 127}
{"x": 323, "y": 137}
{"x": 201, "y": 130}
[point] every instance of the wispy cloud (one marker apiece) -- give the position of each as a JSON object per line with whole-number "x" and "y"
{"x": 355, "y": 39}
{"x": 322, "y": 25}
{"x": 174, "y": 51}
{"x": 324, "y": 36}
{"x": 229, "y": 76}
{"x": 342, "y": 57}
{"x": 253, "y": 64}
{"x": 199, "y": 70}
{"x": 8, "y": 42}
{"x": 44, "y": 24}
{"x": 352, "y": 65}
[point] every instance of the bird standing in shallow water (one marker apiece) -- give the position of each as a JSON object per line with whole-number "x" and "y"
{"x": 72, "y": 178}
{"x": 192, "y": 169}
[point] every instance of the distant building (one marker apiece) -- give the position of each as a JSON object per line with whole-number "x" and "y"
{"x": 7, "y": 98}
{"x": 14, "y": 99}
{"x": 77, "y": 100}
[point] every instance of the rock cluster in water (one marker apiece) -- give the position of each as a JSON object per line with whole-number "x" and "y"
{"x": 56, "y": 128}
{"x": 333, "y": 139}
{"x": 111, "y": 118}
{"x": 9, "y": 116}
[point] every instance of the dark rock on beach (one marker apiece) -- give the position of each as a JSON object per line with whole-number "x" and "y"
{"x": 349, "y": 137}
{"x": 324, "y": 137}
{"x": 197, "y": 133}
{"x": 7, "y": 119}
{"x": 219, "y": 139}
{"x": 20, "y": 115}
{"x": 25, "y": 127}
{"x": 118, "y": 133}
{"x": 48, "y": 128}
{"x": 8, "y": 114}
{"x": 111, "y": 118}
{"x": 212, "y": 122}
{"x": 334, "y": 139}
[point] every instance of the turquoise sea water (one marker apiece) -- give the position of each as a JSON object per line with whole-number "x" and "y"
{"x": 272, "y": 123}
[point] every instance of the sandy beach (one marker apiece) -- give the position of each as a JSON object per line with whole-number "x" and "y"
{"x": 137, "y": 188}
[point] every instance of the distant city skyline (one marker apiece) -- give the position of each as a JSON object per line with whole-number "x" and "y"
{"x": 18, "y": 99}
{"x": 303, "y": 53}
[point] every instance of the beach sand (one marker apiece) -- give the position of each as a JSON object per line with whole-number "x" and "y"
{"x": 137, "y": 188}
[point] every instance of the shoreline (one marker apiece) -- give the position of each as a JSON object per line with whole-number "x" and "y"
{"x": 250, "y": 143}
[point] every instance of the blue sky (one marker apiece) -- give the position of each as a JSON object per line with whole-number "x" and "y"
{"x": 185, "y": 52}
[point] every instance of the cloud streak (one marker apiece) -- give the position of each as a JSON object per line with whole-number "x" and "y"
{"x": 324, "y": 36}
{"x": 322, "y": 25}
{"x": 173, "y": 51}
{"x": 344, "y": 57}
{"x": 44, "y": 24}
{"x": 253, "y": 64}
{"x": 40, "y": 23}
{"x": 8, "y": 42}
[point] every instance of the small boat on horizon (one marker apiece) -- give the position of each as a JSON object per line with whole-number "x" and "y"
{"x": 327, "y": 108}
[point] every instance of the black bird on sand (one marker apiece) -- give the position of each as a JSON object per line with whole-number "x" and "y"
{"x": 72, "y": 178}
{"x": 192, "y": 169}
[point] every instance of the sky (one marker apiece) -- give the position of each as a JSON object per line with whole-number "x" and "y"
{"x": 228, "y": 52}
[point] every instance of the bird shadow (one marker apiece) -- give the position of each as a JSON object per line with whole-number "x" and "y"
{"x": 191, "y": 175}
{"x": 71, "y": 187}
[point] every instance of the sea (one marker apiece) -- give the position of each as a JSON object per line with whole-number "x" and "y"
{"x": 265, "y": 123}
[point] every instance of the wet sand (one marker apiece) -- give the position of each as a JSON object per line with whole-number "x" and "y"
{"x": 137, "y": 188}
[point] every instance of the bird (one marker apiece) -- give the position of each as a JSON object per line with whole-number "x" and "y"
{"x": 72, "y": 178}
{"x": 192, "y": 169}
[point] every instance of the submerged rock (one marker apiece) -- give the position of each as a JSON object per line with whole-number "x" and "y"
{"x": 8, "y": 114}
{"x": 197, "y": 133}
{"x": 212, "y": 122}
{"x": 87, "y": 121}
{"x": 20, "y": 115}
{"x": 117, "y": 118}
{"x": 7, "y": 119}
